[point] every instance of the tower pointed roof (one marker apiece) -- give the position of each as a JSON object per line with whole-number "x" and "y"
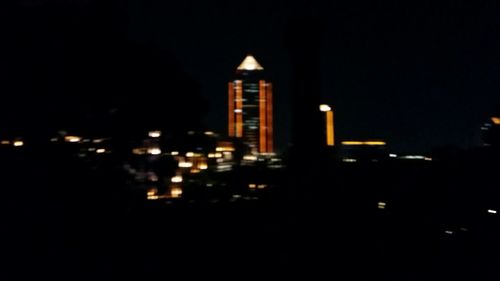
{"x": 249, "y": 64}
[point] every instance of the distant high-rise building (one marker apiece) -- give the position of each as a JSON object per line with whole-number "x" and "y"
{"x": 250, "y": 110}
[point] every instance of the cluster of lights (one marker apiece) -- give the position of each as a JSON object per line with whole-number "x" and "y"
{"x": 257, "y": 186}
{"x": 152, "y": 194}
{"x": 175, "y": 192}
{"x": 224, "y": 149}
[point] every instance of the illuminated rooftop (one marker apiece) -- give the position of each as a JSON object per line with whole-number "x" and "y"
{"x": 250, "y": 63}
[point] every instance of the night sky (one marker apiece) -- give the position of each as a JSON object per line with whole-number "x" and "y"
{"x": 418, "y": 74}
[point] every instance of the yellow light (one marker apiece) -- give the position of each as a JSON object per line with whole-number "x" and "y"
{"x": 185, "y": 164}
{"x": 176, "y": 192}
{"x": 262, "y": 186}
{"x": 252, "y": 186}
{"x": 152, "y": 194}
{"x": 330, "y": 133}
{"x": 176, "y": 179}
{"x": 100, "y": 150}
{"x": 209, "y": 133}
{"x": 218, "y": 155}
{"x": 495, "y": 120}
{"x": 202, "y": 166}
{"x": 195, "y": 171}
{"x": 154, "y": 151}
{"x": 154, "y": 134}
{"x": 18, "y": 143}
{"x": 211, "y": 155}
{"x": 374, "y": 143}
{"x": 189, "y": 154}
{"x": 72, "y": 138}
{"x": 381, "y": 205}
{"x": 224, "y": 149}
{"x": 250, "y": 157}
{"x": 174, "y": 153}
{"x": 363, "y": 143}
{"x": 6, "y": 142}
{"x": 324, "y": 107}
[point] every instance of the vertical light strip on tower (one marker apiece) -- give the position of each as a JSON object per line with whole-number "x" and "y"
{"x": 330, "y": 134}
{"x": 262, "y": 117}
{"x": 239, "y": 108}
{"x": 269, "y": 104}
{"x": 230, "y": 113}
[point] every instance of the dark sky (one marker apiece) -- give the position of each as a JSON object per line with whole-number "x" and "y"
{"x": 416, "y": 73}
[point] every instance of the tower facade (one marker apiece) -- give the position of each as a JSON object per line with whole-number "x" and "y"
{"x": 250, "y": 107}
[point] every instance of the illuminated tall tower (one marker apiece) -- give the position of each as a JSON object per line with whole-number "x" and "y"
{"x": 250, "y": 111}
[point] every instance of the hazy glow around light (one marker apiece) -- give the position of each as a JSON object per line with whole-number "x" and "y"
{"x": 18, "y": 143}
{"x": 325, "y": 108}
{"x": 224, "y": 148}
{"x": 100, "y": 150}
{"x": 5, "y": 142}
{"x": 176, "y": 179}
{"x": 185, "y": 164}
{"x": 414, "y": 157}
{"x": 250, "y": 157}
{"x": 250, "y": 63}
{"x": 202, "y": 166}
{"x": 189, "y": 154}
{"x": 174, "y": 153}
{"x": 154, "y": 151}
{"x": 492, "y": 211}
{"x": 381, "y": 205}
{"x": 209, "y": 133}
{"x": 495, "y": 120}
{"x": 154, "y": 134}
{"x": 72, "y": 138}
{"x": 176, "y": 192}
